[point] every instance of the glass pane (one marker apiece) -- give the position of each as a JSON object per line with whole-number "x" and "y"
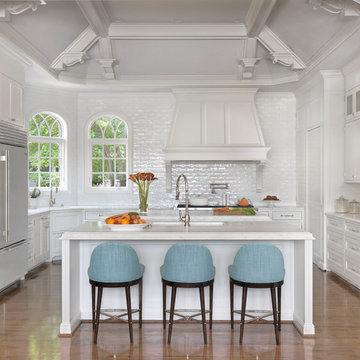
{"x": 121, "y": 132}
{"x": 44, "y": 180}
{"x": 54, "y": 150}
{"x": 50, "y": 120}
{"x": 97, "y": 180}
{"x": 33, "y": 180}
{"x": 44, "y": 130}
{"x": 33, "y": 164}
{"x": 97, "y": 151}
{"x": 55, "y": 131}
{"x": 109, "y": 132}
{"x": 120, "y": 180}
{"x": 357, "y": 101}
{"x": 96, "y": 132}
{"x": 102, "y": 122}
{"x": 33, "y": 149}
{"x": 349, "y": 104}
{"x": 108, "y": 180}
{"x": 108, "y": 165}
{"x": 38, "y": 118}
{"x": 120, "y": 165}
{"x": 115, "y": 122}
{"x": 121, "y": 151}
{"x": 55, "y": 179}
{"x": 44, "y": 165}
{"x": 54, "y": 165}
{"x": 33, "y": 131}
{"x": 109, "y": 151}
{"x": 97, "y": 166}
{"x": 44, "y": 150}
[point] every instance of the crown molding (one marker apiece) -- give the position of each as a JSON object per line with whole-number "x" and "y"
{"x": 256, "y": 17}
{"x": 279, "y": 52}
{"x": 9, "y": 8}
{"x": 204, "y": 31}
{"x": 343, "y": 7}
{"x": 76, "y": 52}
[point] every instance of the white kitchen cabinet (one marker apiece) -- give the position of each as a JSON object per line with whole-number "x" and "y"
{"x": 343, "y": 248}
{"x": 11, "y": 101}
{"x": 95, "y": 215}
{"x": 38, "y": 239}
{"x": 61, "y": 221}
{"x": 293, "y": 216}
{"x": 352, "y": 152}
{"x": 352, "y": 104}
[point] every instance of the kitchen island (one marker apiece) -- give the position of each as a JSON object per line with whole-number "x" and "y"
{"x": 223, "y": 241}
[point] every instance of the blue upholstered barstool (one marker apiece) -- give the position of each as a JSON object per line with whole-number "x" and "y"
{"x": 114, "y": 264}
{"x": 187, "y": 265}
{"x": 257, "y": 265}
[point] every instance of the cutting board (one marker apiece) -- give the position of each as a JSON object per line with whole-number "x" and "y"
{"x": 246, "y": 211}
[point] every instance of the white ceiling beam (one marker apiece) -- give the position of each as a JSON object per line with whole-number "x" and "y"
{"x": 150, "y": 31}
{"x": 96, "y": 15}
{"x": 107, "y": 60}
{"x": 279, "y": 52}
{"x": 76, "y": 52}
{"x": 256, "y": 17}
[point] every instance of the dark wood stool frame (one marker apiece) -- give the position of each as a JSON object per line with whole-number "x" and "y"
{"x": 96, "y": 308}
{"x": 200, "y": 285}
{"x": 275, "y": 307}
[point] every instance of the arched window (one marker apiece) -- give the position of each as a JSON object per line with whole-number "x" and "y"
{"x": 47, "y": 138}
{"x": 108, "y": 140}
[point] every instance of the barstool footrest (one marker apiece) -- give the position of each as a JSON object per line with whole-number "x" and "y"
{"x": 183, "y": 317}
{"x": 266, "y": 313}
{"x": 123, "y": 312}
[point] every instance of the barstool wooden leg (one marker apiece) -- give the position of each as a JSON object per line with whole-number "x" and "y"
{"x": 172, "y": 309}
{"x": 273, "y": 300}
{"x": 128, "y": 303}
{"x": 93, "y": 305}
{"x": 243, "y": 308}
{"x": 164, "y": 304}
{"x": 279, "y": 307}
{"x": 140, "y": 302}
{"x": 98, "y": 307}
{"x": 202, "y": 305}
{"x": 211, "y": 304}
{"x": 232, "y": 303}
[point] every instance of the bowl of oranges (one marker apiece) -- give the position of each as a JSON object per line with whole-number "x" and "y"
{"x": 125, "y": 221}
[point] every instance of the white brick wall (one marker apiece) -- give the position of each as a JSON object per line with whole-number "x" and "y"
{"x": 150, "y": 116}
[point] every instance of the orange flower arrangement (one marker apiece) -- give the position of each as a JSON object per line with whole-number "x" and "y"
{"x": 143, "y": 181}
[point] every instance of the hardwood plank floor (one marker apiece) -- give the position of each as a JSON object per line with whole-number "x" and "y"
{"x": 30, "y": 317}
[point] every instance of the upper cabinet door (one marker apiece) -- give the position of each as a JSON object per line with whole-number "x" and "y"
{"x": 352, "y": 104}
{"x": 352, "y": 152}
{"x": 4, "y": 98}
{"x": 16, "y": 104}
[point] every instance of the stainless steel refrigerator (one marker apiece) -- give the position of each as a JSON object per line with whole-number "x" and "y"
{"x": 13, "y": 204}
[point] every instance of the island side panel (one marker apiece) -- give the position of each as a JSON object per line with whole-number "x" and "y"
{"x": 152, "y": 253}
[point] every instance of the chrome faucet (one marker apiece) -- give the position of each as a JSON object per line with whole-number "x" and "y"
{"x": 186, "y": 218}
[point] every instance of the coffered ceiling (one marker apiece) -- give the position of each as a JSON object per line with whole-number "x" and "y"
{"x": 182, "y": 42}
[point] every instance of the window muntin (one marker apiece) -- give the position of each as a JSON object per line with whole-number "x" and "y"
{"x": 46, "y": 150}
{"x": 108, "y": 139}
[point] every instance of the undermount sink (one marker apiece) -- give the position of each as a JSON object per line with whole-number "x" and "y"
{"x": 192, "y": 223}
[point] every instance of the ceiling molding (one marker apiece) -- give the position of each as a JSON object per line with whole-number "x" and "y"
{"x": 257, "y": 15}
{"x": 9, "y": 8}
{"x": 204, "y": 31}
{"x": 107, "y": 60}
{"x": 343, "y": 7}
{"x": 23, "y": 44}
{"x": 96, "y": 15}
{"x": 76, "y": 52}
{"x": 248, "y": 59}
{"x": 279, "y": 52}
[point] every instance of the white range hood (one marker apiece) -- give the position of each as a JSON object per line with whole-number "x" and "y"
{"x": 215, "y": 125}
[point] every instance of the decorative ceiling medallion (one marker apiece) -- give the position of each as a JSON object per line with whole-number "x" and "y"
{"x": 344, "y": 7}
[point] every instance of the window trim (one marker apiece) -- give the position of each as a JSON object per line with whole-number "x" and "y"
{"x": 63, "y": 144}
{"x": 88, "y": 155}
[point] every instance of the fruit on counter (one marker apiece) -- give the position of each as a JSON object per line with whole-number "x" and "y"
{"x": 125, "y": 219}
{"x": 271, "y": 197}
{"x": 243, "y": 202}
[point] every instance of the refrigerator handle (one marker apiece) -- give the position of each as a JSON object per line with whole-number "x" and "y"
{"x": 5, "y": 158}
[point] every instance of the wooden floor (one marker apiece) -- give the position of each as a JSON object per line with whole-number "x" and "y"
{"x": 30, "y": 317}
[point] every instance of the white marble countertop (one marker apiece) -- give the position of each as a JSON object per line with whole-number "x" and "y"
{"x": 345, "y": 216}
{"x": 262, "y": 230}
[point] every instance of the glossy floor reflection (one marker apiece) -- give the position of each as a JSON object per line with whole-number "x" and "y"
{"x": 30, "y": 317}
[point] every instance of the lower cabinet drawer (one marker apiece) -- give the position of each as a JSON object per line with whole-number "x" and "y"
{"x": 352, "y": 270}
{"x": 336, "y": 261}
{"x": 97, "y": 215}
{"x": 335, "y": 239}
{"x": 337, "y": 224}
{"x": 352, "y": 229}
{"x": 287, "y": 215}
{"x": 352, "y": 246}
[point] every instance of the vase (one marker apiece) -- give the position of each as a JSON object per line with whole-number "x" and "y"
{"x": 143, "y": 204}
